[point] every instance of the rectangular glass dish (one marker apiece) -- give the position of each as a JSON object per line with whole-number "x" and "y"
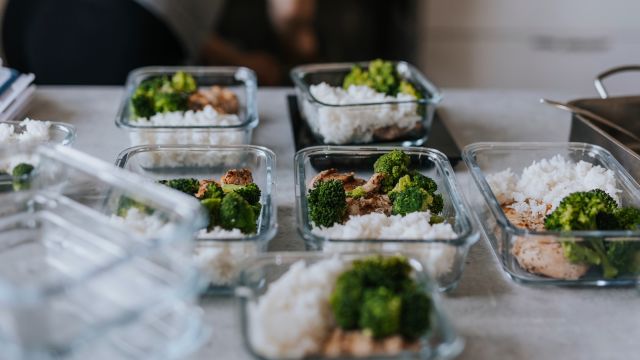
{"x": 59, "y": 133}
{"x": 400, "y": 122}
{"x": 444, "y": 258}
{"x": 218, "y": 257}
{"x": 484, "y": 159}
{"x": 440, "y": 342}
{"x": 239, "y": 80}
{"x": 70, "y": 270}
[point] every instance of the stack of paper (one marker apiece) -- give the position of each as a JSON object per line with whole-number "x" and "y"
{"x": 16, "y": 90}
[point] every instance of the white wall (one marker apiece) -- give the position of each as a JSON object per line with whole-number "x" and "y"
{"x": 544, "y": 44}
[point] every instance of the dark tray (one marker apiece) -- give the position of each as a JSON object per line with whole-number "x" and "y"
{"x": 439, "y": 136}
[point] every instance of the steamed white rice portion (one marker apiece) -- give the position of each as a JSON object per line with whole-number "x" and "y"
{"x": 139, "y": 222}
{"x": 206, "y": 117}
{"x": 220, "y": 260}
{"x": 548, "y": 181}
{"x": 341, "y": 126}
{"x": 33, "y": 131}
{"x": 293, "y": 318}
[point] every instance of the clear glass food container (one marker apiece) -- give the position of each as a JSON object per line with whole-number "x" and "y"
{"x": 440, "y": 342}
{"x": 68, "y": 275}
{"x": 444, "y": 258}
{"x": 218, "y": 258}
{"x": 484, "y": 159}
{"x": 402, "y": 122}
{"x": 59, "y": 133}
{"x": 240, "y": 80}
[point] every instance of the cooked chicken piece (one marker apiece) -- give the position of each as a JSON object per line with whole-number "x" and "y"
{"x": 544, "y": 256}
{"x": 224, "y": 101}
{"x": 369, "y": 204}
{"x": 237, "y": 177}
{"x": 374, "y": 183}
{"x": 349, "y": 181}
{"x": 358, "y": 344}
{"x": 203, "y": 187}
{"x": 525, "y": 220}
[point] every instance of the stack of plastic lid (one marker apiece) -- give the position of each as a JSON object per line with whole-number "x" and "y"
{"x": 16, "y": 91}
{"x": 95, "y": 262}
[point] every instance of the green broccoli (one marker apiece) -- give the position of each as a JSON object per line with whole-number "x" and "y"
{"x": 170, "y": 101}
{"x": 416, "y": 314}
{"x": 580, "y": 210}
{"x": 188, "y": 186}
{"x": 346, "y": 298}
{"x": 356, "y": 193}
{"x": 410, "y": 200}
{"x": 379, "y": 296}
{"x": 436, "y": 219}
{"x": 327, "y": 203}
{"x": 213, "y": 191}
{"x": 183, "y": 82}
{"x": 394, "y": 165}
{"x": 424, "y": 182}
{"x": 250, "y": 192}
{"x": 22, "y": 176}
{"x": 125, "y": 203}
{"x": 624, "y": 256}
{"x": 142, "y": 105}
{"x": 257, "y": 209}
{"x": 381, "y": 312}
{"x": 406, "y": 87}
{"x": 237, "y": 213}
{"x": 381, "y": 76}
{"x": 212, "y": 205}
{"x": 437, "y": 204}
{"x": 628, "y": 218}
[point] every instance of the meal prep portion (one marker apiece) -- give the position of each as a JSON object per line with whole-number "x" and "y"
{"x": 557, "y": 194}
{"x": 369, "y": 103}
{"x": 335, "y": 308}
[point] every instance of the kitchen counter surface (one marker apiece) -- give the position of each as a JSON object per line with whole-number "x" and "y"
{"x": 498, "y": 318}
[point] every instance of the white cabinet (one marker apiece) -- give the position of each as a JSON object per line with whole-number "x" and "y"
{"x": 546, "y": 44}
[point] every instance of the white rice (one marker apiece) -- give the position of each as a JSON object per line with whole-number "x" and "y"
{"x": 293, "y": 318}
{"x": 548, "y": 181}
{"x": 139, "y": 222}
{"x": 356, "y": 124}
{"x": 206, "y": 117}
{"x": 438, "y": 258}
{"x": 219, "y": 261}
{"x": 28, "y": 131}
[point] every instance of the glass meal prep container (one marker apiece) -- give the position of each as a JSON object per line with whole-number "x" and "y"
{"x": 59, "y": 133}
{"x": 338, "y": 124}
{"x": 242, "y": 81}
{"x": 218, "y": 258}
{"x": 444, "y": 258}
{"x": 440, "y": 342}
{"x": 484, "y": 159}
{"x": 71, "y": 271}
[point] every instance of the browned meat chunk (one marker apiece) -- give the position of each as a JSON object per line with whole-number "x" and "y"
{"x": 349, "y": 181}
{"x": 237, "y": 177}
{"x": 222, "y": 100}
{"x": 369, "y": 204}
{"x": 544, "y": 256}
{"x": 358, "y": 344}
{"x": 374, "y": 183}
{"x": 525, "y": 220}
{"x": 203, "y": 187}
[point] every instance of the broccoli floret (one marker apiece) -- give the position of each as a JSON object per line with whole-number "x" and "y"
{"x": 170, "y": 101}
{"x": 402, "y": 184}
{"x": 237, "y": 213}
{"x": 628, "y": 218}
{"x": 424, "y": 182}
{"x": 327, "y": 203}
{"x": 142, "y": 105}
{"x": 257, "y": 209}
{"x": 346, "y": 298}
{"x": 213, "y": 191}
{"x": 416, "y": 314}
{"x": 188, "y": 186}
{"x": 213, "y": 209}
{"x": 624, "y": 256}
{"x": 390, "y": 272}
{"x": 250, "y": 192}
{"x": 394, "y": 165}
{"x": 383, "y": 77}
{"x": 183, "y": 82}
{"x": 406, "y": 87}
{"x": 437, "y": 204}
{"x": 580, "y": 210}
{"x": 125, "y": 203}
{"x": 436, "y": 219}
{"x": 22, "y": 176}
{"x": 357, "y": 192}
{"x": 380, "y": 313}
{"x": 410, "y": 200}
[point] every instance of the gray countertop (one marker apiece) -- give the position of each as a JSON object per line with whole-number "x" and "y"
{"x": 498, "y": 318}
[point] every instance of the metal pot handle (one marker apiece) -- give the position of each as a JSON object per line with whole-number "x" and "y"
{"x": 602, "y": 91}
